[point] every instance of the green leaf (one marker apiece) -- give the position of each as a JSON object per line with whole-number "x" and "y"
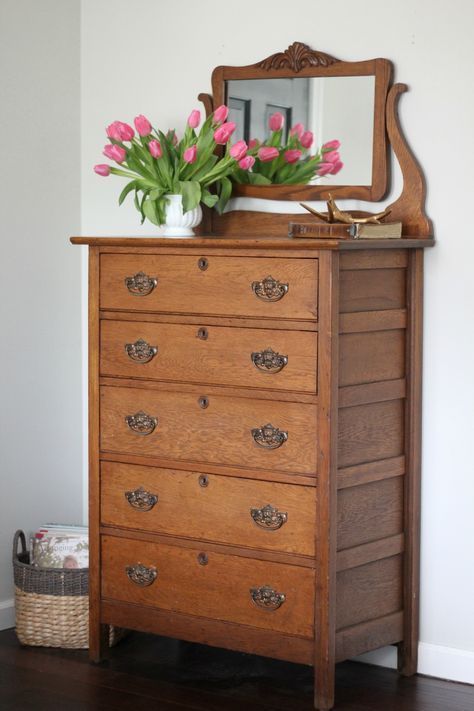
{"x": 208, "y": 198}
{"x": 225, "y": 193}
{"x": 150, "y": 211}
{"x": 191, "y": 192}
{"x": 127, "y": 189}
{"x": 259, "y": 179}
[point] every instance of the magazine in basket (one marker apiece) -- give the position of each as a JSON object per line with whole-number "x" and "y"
{"x": 60, "y": 546}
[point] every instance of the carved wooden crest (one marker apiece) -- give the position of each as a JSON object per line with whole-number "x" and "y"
{"x": 297, "y": 57}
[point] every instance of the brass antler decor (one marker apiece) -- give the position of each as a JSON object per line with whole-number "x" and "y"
{"x": 334, "y": 214}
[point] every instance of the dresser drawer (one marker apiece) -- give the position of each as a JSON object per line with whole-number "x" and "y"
{"x": 209, "y": 584}
{"x": 242, "y": 512}
{"x": 247, "y": 357}
{"x": 244, "y": 432}
{"x": 218, "y": 285}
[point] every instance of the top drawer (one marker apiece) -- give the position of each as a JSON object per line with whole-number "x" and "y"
{"x": 223, "y": 286}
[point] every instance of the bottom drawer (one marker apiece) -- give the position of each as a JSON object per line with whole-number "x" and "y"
{"x": 208, "y": 584}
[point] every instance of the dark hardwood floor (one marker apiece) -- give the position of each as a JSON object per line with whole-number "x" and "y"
{"x": 157, "y": 674}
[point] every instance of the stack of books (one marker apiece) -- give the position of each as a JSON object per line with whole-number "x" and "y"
{"x": 56, "y": 545}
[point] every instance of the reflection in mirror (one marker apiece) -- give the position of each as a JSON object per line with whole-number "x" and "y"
{"x": 331, "y": 107}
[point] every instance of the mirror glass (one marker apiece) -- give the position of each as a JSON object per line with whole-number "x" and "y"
{"x": 339, "y": 107}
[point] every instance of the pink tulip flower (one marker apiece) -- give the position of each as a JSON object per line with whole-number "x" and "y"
{"x": 336, "y": 167}
{"x": 292, "y": 156}
{"x": 247, "y": 162}
{"x": 331, "y": 145}
{"x": 307, "y": 139}
{"x": 102, "y": 169}
{"x": 142, "y": 125}
{"x": 114, "y": 152}
{"x": 190, "y": 154}
{"x": 224, "y": 132}
{"x": 221, "y": 113}
{"x": 331, "y": 157}
{"x": 276, "y": 121}
{"x": 268, "y": 153}
{"x": 253, "y": 143}
{"x": 194, "y": 119}
{"x": 324, "y": 169}
{"x": 155, "y": 149}
{"x": 238, "y": 150}
{"x": 120, "y": 131}
{"x": 297, "y": 130}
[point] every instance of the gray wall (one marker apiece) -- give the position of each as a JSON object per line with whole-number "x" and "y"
{"x": 40, "y": 351}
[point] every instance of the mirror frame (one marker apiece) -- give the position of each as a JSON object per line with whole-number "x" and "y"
{"x": 301, "y": 61}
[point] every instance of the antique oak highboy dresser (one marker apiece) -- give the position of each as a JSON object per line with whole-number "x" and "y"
{"x": 254, "y": 443}
{"x": 254, "y": 420}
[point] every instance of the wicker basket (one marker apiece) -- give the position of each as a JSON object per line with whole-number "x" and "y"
{"x": 52, "y": 605}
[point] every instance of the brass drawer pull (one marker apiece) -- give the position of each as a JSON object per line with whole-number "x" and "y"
{"x": 140, "y": 284}
{"x": 269, "y": 289}
{"x": 269, "y": 437}
{"x": 141, "y": 575}
{"x": 268, "y": 361}
{"x": 269, "y": 517}
{"x": 141, "y": 499}
{"x": 141, "y": 423}
{"x": 267, "y": 598}
{"x": 140, "y": 351}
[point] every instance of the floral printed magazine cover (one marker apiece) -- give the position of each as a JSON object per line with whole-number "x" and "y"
{"x": 60, "y": 546}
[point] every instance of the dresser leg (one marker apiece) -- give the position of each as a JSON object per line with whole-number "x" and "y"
{"x": 408, "y": 657}
{"x": 324, "y": 687}
{"x": 98, "y": 642}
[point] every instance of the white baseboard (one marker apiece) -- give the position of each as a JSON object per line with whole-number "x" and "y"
{"x": 7, "y": 614}
{"x": 433, "y": 660}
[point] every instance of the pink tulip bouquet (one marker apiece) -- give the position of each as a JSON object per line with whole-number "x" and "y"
{"x": 157, "y": 164}
{"x": 276, "y": 162}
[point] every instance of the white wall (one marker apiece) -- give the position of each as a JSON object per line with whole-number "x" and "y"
{"x": 40, "y": 353}
{"x": 155, "y": 62}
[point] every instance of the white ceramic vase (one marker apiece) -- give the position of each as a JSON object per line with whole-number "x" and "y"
{"x": 179, "y": 224}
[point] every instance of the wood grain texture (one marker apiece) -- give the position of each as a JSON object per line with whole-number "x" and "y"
{"x": 98, "y": 633}
{"x": 374, "y": 259}
{"x": 369, "y": 512}
{"x": 367, "y": 393}
{"x": 372, "y": 290}
{"x": 369, "y": 591}
{"x": 365, "y": 636}
{"x": 371, "y": 357}
{"x": 370, "y": 471}
{"x": 368, "y": 552}
{"x": 217, "y": 633}
{"x": 184, "y": 585}
{"x": 408, "y": 650}
{"x": 370, "y": 432}
{"x": 224, "y": 357}
{"x": 223, "y": 288}
{"x": 366, "y": 321}
{"x": 219, "y": 511}
{"x": 410, "y": 205}
{"x": 326, "y": 523}
{"x": 220, "y": 433}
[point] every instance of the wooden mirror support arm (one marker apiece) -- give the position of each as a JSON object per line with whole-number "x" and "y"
{"x": 410, "y": 205}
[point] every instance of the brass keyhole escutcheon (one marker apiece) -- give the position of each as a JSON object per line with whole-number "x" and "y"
{"x": 203, "y": 334}
{"x": 203, "y": 559}
{"x": 203, "y": 402}
{"x": 203, "y": 480}
{"x": 203, "y": 264}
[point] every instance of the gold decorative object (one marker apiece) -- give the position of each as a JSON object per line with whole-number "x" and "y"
{"x": 334, "y": 214}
